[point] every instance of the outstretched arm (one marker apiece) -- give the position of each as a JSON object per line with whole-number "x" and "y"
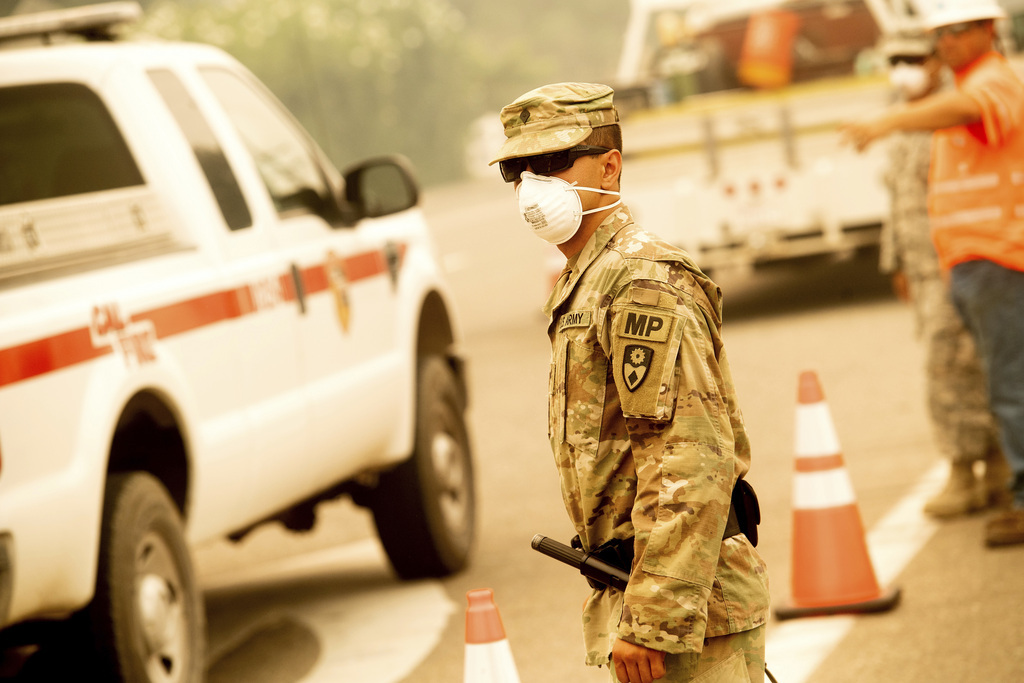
{"x": 943, "y": 110}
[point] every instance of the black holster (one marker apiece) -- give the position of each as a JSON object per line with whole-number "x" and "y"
{"x": 744, "y": 516}
{"x": 617, "y": 552}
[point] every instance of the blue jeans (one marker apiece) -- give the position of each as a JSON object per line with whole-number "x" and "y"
{"x": 990, "y": 297}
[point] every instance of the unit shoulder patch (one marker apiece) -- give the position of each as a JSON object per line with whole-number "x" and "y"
{"x": 636, "y": 361}
{"x": 645, "y": 345}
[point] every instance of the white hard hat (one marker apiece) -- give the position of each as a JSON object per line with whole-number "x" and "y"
{"x": 938, "y": 13}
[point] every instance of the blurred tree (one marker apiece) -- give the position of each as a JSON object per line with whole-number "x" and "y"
{"x": 364, "y": 76}
{"x": 370, "y": 77}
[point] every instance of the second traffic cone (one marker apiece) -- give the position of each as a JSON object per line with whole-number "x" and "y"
{"x": 832, "y": 572}
{"x": 488, "y": 654}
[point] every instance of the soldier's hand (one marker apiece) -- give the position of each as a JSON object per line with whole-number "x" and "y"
{"x": 636, "y": 663}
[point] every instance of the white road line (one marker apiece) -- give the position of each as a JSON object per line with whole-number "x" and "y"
{"x": 796, "y": 648}
{"x": 379, "y": 635}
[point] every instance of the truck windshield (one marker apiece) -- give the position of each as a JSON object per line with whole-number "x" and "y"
{"x": 280, "y": 150}
{"x": 58, "y": 139}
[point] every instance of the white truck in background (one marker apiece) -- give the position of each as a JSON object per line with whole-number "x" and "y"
{"x": 203, "y": 327}
{"x": 757, "y": 174}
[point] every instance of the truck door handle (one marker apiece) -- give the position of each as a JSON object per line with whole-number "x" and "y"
{"x": 300, "y": 290}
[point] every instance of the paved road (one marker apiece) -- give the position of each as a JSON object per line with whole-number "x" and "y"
{"x": 325, "y": 607}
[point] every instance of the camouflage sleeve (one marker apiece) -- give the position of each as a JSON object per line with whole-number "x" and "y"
{"x": 888, "y": 256}
{"x": 888, "y": 261}
{"x": 682, "y": 447}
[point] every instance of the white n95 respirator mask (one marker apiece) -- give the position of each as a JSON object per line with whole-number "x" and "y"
{"x": 552, "y": 207}
{"x": 909, "y": 80}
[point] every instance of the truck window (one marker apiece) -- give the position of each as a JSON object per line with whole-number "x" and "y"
{"x": 280, "y": 150}
{"x": 58, "y": 139}
{"x": 206, "y": 148}
{"x": 690, "y": 55}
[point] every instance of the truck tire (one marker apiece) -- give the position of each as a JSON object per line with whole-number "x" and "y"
{"x": 425, "y": 509}
{"x": 147, "y": 617}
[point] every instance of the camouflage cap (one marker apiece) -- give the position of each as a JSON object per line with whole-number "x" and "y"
{"x": 554, "y": 117}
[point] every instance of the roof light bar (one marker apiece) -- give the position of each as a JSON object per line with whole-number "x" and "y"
{"x": 89, "y": 20}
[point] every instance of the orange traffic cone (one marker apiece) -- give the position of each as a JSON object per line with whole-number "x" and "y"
{"x": 488, "y": 654}
{"x": 832, "y": 572}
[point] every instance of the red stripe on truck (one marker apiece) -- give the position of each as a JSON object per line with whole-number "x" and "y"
{"x": 46, "y": 355}
{"x": 192, "y": 314}
{"x": 65, "y": 349}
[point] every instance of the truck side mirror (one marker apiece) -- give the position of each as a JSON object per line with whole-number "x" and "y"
{"x": 380, "y": 187}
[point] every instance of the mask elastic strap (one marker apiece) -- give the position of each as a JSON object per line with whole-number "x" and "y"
{"x": 594, "y": 189}
{"x": 574, "y": 186}
{"x": 603, "y": 208}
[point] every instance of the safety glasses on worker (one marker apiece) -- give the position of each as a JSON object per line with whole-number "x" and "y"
{"x": 955, "y": 29}
{"x": 912, "y": 60}
{"x": 544, "y": 164}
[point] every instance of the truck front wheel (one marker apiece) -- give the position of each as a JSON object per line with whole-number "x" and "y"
{"x": 147, "y": 616}
{"x": 424, "y": 509}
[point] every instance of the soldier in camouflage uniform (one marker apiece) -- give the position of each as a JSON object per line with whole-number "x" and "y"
{"x": 964, "y": 427}
{"x": 644, "y": 423}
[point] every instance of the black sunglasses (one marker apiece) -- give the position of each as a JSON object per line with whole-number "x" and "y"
{"x": 543, "y": 164}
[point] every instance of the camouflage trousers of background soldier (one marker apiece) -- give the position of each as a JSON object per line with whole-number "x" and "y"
{"x": 735, "y": 658}
{"x": 964, "y": 428}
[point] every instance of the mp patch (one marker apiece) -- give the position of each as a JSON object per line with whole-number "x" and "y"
{"x": 646, "y": 324}
{"x": 636, "y": 362}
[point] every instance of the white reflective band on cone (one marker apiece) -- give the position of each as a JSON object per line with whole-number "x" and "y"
{"x": 820, "y": 490}
{"x": 490, "y": 663}
{"x": 815, "y": 433}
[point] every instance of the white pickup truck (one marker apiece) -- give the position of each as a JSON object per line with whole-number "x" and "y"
{"x": 203, "y": 327}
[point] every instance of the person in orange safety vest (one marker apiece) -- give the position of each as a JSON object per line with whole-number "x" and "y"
{"x": 976, "y": 208}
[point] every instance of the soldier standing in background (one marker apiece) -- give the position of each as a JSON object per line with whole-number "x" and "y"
{"x": 963, "y": 425}
{"x": 648, "y": 438}
{"x": 976, "y": 206}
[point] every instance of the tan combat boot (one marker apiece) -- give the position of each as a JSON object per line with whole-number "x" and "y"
{"x": 1006, "y": 528}
{"x": 964, "y": 493}
{"x": 997, "y": 480}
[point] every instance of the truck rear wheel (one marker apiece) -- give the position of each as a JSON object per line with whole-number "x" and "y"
{"x": 425, "y": 509}
{"x": 147, "y": 616}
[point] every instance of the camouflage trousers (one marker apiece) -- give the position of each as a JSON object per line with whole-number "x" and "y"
{"x": 735, "y": 658}
{"x": 964, "y": 428}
